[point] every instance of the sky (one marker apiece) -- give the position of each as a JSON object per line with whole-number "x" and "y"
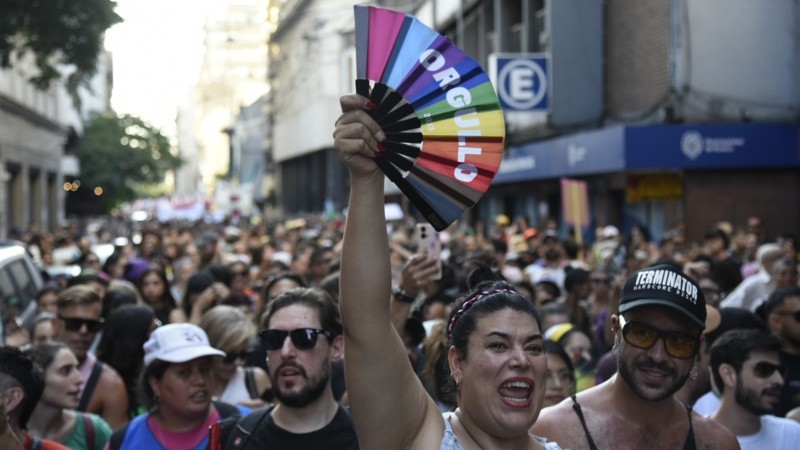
{"x": 157, "y": 51}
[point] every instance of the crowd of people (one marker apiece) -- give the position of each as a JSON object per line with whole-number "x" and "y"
{"x": 314, "y": 334}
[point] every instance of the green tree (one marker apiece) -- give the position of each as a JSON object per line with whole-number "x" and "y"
{"x": 124, "y": 156}
{"x": 55, "y": 32}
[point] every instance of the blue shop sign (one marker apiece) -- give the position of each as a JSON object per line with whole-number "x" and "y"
{"x": 585, "y": 153}
{"x": 712, "y": 146}
{"x": 672, "y": 147}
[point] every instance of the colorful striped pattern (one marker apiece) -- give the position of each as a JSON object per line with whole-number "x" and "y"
{"x": 444, "y": 125}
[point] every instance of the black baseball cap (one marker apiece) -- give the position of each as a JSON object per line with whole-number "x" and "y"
{"x": 664, "y": 285}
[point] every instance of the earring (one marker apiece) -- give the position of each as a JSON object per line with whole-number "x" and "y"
{"x": 693, "y": 373}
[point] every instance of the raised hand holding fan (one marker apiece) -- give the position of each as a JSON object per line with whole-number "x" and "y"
{"x": 442, "y": 119}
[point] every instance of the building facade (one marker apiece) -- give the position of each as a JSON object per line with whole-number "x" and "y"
{"x": 674, "y": 114}
{"x": 698, "y": 124}
{"x": 39, "y": 140}
{"x": 232, "y": 77}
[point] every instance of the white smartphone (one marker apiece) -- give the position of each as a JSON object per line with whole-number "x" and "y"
{"x": 427, "y": 239}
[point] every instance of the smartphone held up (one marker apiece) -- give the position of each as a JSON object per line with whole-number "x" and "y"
{"x": 428, "y": 243}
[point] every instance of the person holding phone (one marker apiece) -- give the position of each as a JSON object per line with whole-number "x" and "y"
{"x": 429, "y": 244}
{"x": 496, "y": 353}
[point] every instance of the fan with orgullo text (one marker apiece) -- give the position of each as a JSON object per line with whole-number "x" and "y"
{"x": 441, "y": 116}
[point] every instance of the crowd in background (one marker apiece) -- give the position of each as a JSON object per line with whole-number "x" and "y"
{"x": 222, "y": 277}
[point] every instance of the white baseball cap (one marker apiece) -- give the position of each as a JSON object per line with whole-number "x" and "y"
{"x": 610, "y": 231}
{"x": 177, "y": 343}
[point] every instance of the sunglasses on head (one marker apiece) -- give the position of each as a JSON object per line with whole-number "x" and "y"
{"x": 302, "y": 338}
{"x": 75, "y": 324}
{"x": 243, "y": 355}
{"x": 640, "y": 335}
{"x": 763, "y": 369}
{"x": 795, "y": 314}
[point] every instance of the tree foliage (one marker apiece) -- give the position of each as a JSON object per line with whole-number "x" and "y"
{"x": 125, "y": 156}
{"x": 68, "y": 32}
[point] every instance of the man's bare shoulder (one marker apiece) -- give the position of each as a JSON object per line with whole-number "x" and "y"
{"x": 556, "y": 414}
{"x": 560, "y": 423}
{"x": 710, "y": 434}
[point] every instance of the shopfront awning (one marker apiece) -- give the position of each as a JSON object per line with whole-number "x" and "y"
{"x": 654, "y": 147}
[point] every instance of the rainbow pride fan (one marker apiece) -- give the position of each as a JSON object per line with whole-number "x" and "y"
{"x": 438, "y": 109}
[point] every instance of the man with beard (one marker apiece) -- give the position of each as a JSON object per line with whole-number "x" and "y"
{"x": 782, "y": 311}
{"x": 302, "y": 332}
{"x": 657, "y": 334}
{"x": 747, "y": 371}
{"x": 730, "y": 319}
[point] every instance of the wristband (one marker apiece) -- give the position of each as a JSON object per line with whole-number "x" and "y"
{"x": 403, "y": 296}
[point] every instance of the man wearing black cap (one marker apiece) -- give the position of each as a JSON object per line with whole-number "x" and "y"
{"x": 658, "y": 331}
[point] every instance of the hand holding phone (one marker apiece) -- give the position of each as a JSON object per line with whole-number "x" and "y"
{"x": 427, "y": 239}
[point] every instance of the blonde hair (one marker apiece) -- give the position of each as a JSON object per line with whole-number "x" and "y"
{"x": 227, "y": 327}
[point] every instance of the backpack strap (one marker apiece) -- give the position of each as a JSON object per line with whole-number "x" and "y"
{"x": 117, "y": 437}
{"x": 237, "y": 430}
{"x": 91, "y": 383}
{"x": 250, "y": 381}
{"x": 89, "y": 427}
{"x": 225, "y": 409}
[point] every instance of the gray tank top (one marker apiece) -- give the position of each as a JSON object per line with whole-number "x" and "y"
{"x": 450, "y": 442}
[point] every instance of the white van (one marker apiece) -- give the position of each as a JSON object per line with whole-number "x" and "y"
{"x": 20, "y": 280}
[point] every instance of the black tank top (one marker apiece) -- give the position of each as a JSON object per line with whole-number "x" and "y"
{"x": 689, "y": 444}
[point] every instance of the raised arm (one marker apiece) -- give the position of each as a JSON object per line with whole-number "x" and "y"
{"x": 388, "y": 402}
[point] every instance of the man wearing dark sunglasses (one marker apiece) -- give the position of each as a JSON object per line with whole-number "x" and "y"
{"x": 78, "y": 320}
{"x": 302, "y": 333}
{"x": 782, "y": 311}
{"x": 747, "y": 371}
{"x": 657, "y": 334}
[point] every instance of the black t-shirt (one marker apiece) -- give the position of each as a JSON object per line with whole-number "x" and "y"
{"x": 339, "y": 434}
{"x": 790, "y": 397}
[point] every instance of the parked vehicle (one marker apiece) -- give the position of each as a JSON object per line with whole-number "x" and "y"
{"x": 20, "y": 280}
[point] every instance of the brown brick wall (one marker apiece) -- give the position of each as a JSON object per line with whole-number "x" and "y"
{"x": 774, "y": 195}
{"x": 637, "y": 55}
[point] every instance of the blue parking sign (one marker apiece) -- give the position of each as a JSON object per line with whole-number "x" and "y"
{"x": 522, "y": 81}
